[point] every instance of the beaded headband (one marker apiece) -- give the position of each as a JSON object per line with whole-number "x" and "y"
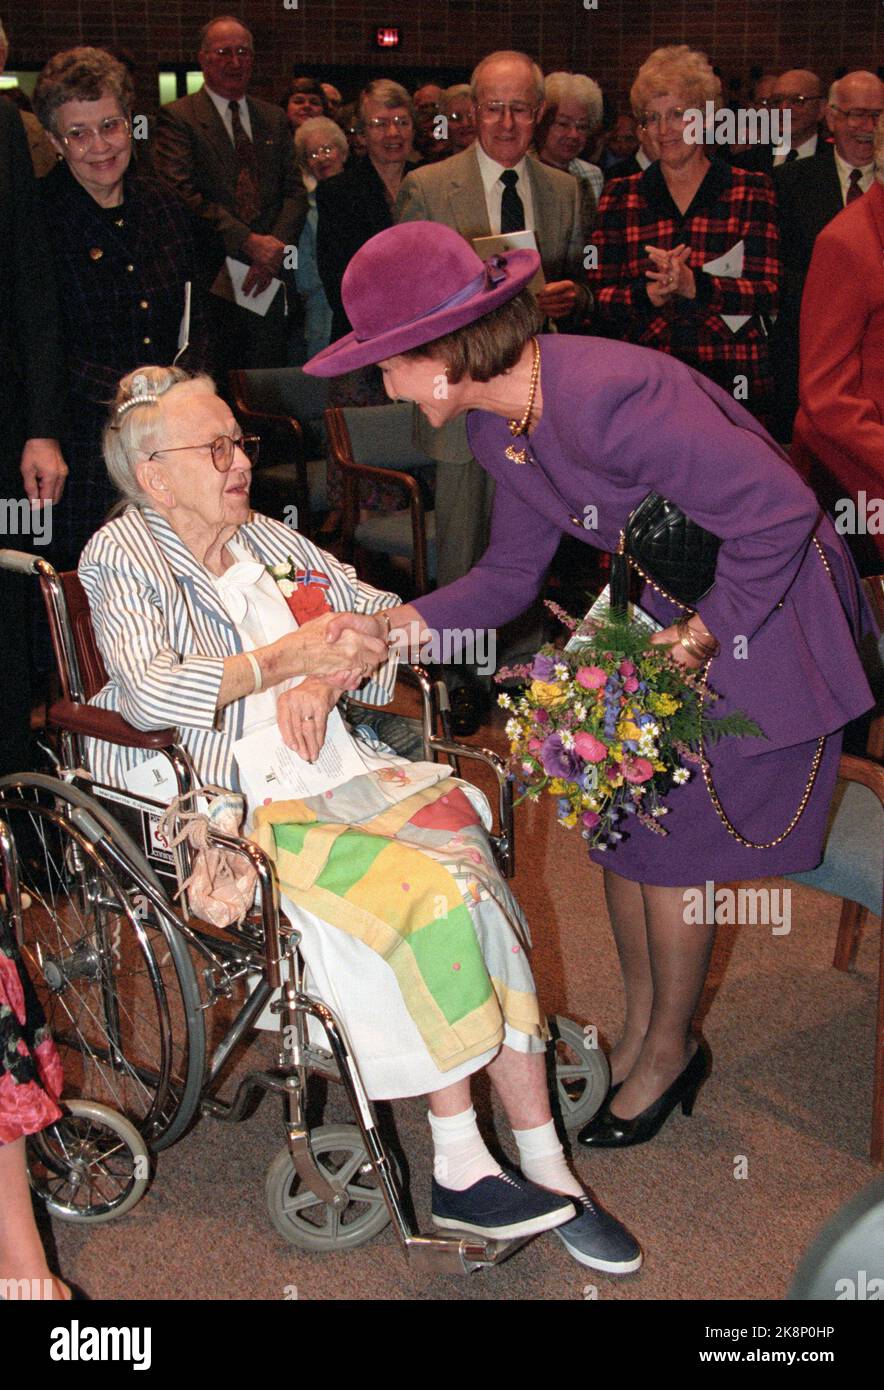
{"x": 141, "y": 395}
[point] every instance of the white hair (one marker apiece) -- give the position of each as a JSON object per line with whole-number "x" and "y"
{"x": 327, "y": 129}
{"x": 137, "y": 429}
{"x": 508, "y": 53}
{"x": 835, "y": 89}
{"x": 560, "y": 86}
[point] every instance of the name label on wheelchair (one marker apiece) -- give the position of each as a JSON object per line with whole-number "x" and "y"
{"x": 142, "y": 821}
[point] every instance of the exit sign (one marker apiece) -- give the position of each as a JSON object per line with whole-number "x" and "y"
{"x": 387, "y": 36}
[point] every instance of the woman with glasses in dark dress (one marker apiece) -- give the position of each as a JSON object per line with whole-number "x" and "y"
{"x": 124, "y": 257}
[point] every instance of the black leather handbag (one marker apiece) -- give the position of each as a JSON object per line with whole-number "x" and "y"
{"x": 675, "y": 555}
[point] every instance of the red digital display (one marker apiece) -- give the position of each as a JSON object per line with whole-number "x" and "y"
{"x": 387, "y": 36}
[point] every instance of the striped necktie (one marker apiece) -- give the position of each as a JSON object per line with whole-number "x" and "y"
{"x": 853, "y": 189}
{"x": 248, "y": 195}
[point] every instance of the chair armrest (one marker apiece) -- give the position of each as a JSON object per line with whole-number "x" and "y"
{"x": 91, "y": 722}
{"x": 871, "y": 775}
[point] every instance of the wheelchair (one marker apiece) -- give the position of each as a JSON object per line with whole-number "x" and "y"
{"x": 134, "y": 987}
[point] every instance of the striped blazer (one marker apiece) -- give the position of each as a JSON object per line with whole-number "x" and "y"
{"x": 164, "y": 635}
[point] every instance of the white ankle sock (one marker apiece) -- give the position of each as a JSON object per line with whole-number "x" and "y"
{"x": 542, "y": 1160}
{"x": 460, "y": 1157}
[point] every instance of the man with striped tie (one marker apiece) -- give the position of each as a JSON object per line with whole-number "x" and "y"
{"x": 231, "y": 158}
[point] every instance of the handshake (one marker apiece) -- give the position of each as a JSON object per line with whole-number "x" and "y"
{"x": 345, "y": 648}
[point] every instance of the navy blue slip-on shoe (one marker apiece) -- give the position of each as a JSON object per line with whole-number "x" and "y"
{"x": 597, "y": 1239}
{"x": 502, "y": 1208}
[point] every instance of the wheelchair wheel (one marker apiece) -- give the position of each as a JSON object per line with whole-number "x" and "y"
{"x": 304, "y": 1219}
{"x": 113, "y": 973}
{"x": 91, "y": 1165}
{"x": 582, "y": 1072}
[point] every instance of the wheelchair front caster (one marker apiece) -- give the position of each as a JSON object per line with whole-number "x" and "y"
{"x": 91, "y": 1165}
{"x": 581, "y": 1070}
{"x": 306, "y": 1220}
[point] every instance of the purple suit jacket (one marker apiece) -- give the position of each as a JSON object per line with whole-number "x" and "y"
{"x": 621, "y": 421}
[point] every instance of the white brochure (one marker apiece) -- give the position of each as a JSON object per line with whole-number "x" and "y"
{"x": 268, "y": 770}
{"x": 730, "y": 266}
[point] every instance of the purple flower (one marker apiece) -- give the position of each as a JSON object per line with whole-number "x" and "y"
{"x": 542, "y": 667}
{"x": 557, "y": 760}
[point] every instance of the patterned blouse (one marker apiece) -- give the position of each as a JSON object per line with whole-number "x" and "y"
{"x": 731, "y": 207}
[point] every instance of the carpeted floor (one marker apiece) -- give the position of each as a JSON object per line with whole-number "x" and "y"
{"x": 724, "y": 1203}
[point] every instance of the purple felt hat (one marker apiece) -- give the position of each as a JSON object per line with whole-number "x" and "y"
{"x": 411, "y": 284}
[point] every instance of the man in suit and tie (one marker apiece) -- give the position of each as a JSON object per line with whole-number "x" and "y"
{"x": 798, "y": 94}
{"x": 810, "y": 192}
{"x": 496, "y": 186}
{"x": 232, "y": 160}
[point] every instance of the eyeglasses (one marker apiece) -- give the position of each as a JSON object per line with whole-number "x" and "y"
{"x": 496, "y": 110}
{"x": 242, "y": 51}
{"x": 323, "y": 152}
{"x": 787, "y": 99}
{"x": 384, "y": 122}
{"x": 565, "y": 123}
{"x": 660, "y": 118}
{"x": 857, "y": 115}
{"x": 81, "y": 138}
{"x": 223, "y": 450}
{"x": 458, "y": 116}
{"x": 305, "y": 99}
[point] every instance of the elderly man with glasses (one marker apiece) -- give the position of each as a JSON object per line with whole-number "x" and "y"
{"x": 230, "y": 157}
{"x": 810, "y": 192}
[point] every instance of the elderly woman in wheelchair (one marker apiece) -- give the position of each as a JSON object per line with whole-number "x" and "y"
{"x": 214, "y": 619}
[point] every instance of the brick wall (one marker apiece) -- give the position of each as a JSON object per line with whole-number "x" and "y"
{"x": 609, "y": 42}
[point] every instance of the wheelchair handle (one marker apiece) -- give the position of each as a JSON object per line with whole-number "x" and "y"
{"x": 19, "y": 561}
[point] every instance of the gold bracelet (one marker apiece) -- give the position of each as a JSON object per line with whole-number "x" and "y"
{"x": 694, "y": 645}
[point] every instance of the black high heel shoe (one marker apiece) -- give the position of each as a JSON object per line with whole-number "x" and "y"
{"x": 607, "y": 1131}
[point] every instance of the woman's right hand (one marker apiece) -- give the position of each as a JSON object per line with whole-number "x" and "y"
{"x": 315, "y": 651}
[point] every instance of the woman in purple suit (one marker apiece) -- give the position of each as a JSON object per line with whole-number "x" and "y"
{"x": 580, "y": 430}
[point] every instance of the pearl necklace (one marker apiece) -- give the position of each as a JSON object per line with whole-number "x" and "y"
{"x": 520, "y": 427}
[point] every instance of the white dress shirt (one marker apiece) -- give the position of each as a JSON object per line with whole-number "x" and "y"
{"x": 804, "y": 151}
{"x": 845, "y": 170}
{"x": 222, "y": 106}
{"x": 491, "y": 171}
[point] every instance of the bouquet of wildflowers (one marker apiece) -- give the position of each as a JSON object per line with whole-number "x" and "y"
{"x": 608, "y": 726}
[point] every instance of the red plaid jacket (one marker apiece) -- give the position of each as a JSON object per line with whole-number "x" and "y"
{"x": 731, "y": 205}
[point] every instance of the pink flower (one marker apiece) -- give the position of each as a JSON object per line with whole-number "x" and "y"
{"x": 535, "y": 745}
{"x": 626, "y": 668}
{"x": 590, "y": 748}
{"x": 541, "y": 716}
{"x": 630, "y": 684}
{"x": 590, "y": 677}
{"x": 590, "y": 819}
{"x": 639, "y": 770}
{"x": 25, "y": 1108}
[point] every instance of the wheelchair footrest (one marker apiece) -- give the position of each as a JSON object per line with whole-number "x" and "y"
{"x": 456, "y": 1254}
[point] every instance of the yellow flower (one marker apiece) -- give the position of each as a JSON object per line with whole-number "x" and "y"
{"x": 569, "y": 821}
{"x": 558, "y": 787}
{"x": 626, "y": 729}
{"x": 548, "y": 694}
{"x": 663, "y": 704}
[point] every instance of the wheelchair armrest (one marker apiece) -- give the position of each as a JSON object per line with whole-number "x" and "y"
{"x": 106, "y": 725}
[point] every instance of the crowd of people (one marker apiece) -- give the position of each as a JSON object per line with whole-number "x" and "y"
{"x": 253, "y": 235}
